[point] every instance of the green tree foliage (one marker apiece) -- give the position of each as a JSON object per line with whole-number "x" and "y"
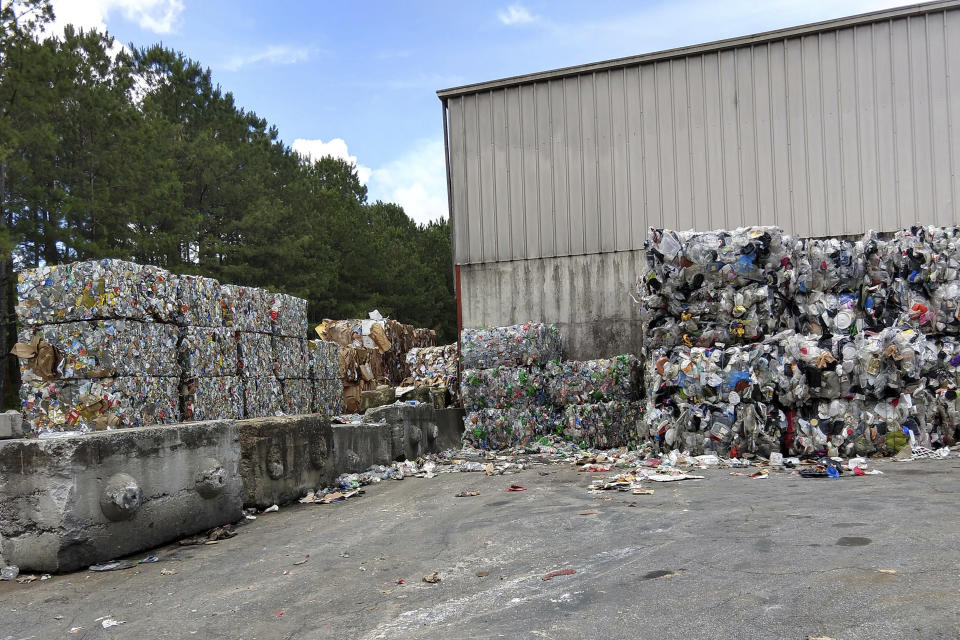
{"x": 139, "y": 154}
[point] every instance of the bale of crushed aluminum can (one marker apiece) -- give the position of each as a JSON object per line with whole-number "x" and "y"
{"x": 101, "y": 349}
{"x": 95, "y": 289}
{"x": 297, "y": 396}
{"x": 288, "y": 315}
{"x": 502, "y": 428}
{"x": 530, "y": 344}
{"x": 212, "y": 398}
{"x": 327, "y": 396}
{"x": 99, "y": 403}
{"x": 592, "y": 381}
{"x": 255, "y": 354}
{"x": 290, "y": 357}
{"x": 199, "y": 302}
{"x": 262, "y": 396}
{"x": 323, "y": 359}
{"x": 246, "y": 309}
{"x": 604, "y": 425}
{"x": 208, "y": 351}
{"x": 504, "y": 388}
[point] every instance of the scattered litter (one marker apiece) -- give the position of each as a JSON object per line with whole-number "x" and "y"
{"x": 76, "y": 630}
{"x": 110, "y": 622}
{"x": 271, "y": 509}
{"x": 279, "y": 613}
{"x": 516, "y": 487}
{"x": 642, "y": 492}
{"x": 337, "y": 496}
{"x": 432, "y": 578}
{"x": 167, "y": 572}
{"x": 115, "y": 565}
{"x": 558, "y": 572}
{"x": 148, "y": 560}
{"x": 661, "y": 573}
{"x": 26, "y": 579}
{"x": 482, "y": 574}
{"x": 467, "y": 494}
{"x": 304, "y": 561}
{"x": 891, "y": 571}
{"x": 212, "y": 537}
{"x": 589, "y": 512}
{"x": 9, "y": 572}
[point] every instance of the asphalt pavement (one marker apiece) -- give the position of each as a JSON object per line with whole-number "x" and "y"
{"x": 725, "y": 557}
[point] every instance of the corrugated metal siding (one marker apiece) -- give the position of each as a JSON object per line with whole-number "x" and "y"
{"x": 828, "y": 133}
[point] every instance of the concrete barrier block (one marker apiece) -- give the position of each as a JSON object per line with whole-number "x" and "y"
{"x": 284, "y": 457}
{"x": 419, "y": 429}
{"x": 67, "y": 503}
{"x": 358, "y": 446}
{"x": 11, "y": 425}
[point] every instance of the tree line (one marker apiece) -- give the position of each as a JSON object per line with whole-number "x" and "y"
{"x": 138, "y": 154}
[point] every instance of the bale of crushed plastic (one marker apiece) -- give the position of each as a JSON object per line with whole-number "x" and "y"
{"x": 504, "y": 388}
{"x": 95, "y": 289}
{"x": 98, "y": 349}
{"x": 604, "y": 425}
{"x": 530, "y": 344}
{"x": 99, "y": 403}
{"x": 502, "y": 428}
{"x": 592, "y": 381}
{"x": 434, "y": 367}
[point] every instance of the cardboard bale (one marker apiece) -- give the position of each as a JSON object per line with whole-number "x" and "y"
{"x": 98, "y": 349}
{"x": 212, "y": 398}
{"x": 95, "y": 289}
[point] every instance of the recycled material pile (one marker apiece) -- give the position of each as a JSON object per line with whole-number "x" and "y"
{"x": 110, "y": 343}
{"x": 755, "y": 342}
{"x": 534, "y": 393}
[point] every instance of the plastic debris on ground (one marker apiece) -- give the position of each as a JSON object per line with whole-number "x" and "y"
{"x": 212, "y": 398}
{"x": 514, "y": 346}
{"x": 98, "y": 349}
{"x": 208, "y": 351}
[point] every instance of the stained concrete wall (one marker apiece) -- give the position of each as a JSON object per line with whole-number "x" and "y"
{"x": 587, "y": 297}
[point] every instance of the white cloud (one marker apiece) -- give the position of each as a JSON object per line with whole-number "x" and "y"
{"x": 158, "y": 16}
{"x": 316, "y": 149}
{"x": 273, "y": 54}
{"x": 417, "y": 181}
{"x": 516, "y": 14}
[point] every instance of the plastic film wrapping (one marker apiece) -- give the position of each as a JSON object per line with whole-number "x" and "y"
{"x": 99, "y": 403}
{"x": 212, "y": 398}
{"x": 208, "y": 351}
{"x": 513, "y": 346}
{"x": 106, "y": 348}
{"x": 93, "y": 290}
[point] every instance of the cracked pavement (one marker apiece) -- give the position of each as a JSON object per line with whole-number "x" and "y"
{"x": 724, "y": 557}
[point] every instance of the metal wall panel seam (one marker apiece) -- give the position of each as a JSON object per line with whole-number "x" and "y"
{"x": 930, "y": 116}
{"x": 949, "y": 96}
{"x": 691, "y": 188}
{"x": 723, "y": 173}
{"x": 786, "y": 121}
{"x": 893, "y": 110}
{"x": 756, "y": 149}
{"x": 878, "y": 214}
{"x": 706, "y": 136}
{"x": 913, "y": 134}
{"x": 643, "y": 150}
{"x": 596, "y": 154}
{"x": 626, "y": 141}
{"x": 856, "y": 102}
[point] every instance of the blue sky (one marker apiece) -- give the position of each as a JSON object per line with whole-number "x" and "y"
{"x": 359, "y": 80}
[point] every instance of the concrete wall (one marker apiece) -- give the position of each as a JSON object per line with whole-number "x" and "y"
{"x": 587, "y": 297}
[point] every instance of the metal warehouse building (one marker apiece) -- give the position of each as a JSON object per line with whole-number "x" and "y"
{"x": 831, "y": 128}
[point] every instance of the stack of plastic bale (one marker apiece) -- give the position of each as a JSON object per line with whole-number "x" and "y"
{"x": 597, "y": 400}
{"x": 324, "y": 369}
{"x": 504, "y": 385}
{"x": 98, "y": 347}
{"x": 704, "y": 288}
{"x": 288, "y": 316}
{"x": 250, "y": 310}
{"x": 826, "y": 285}
{"x": 721, "y": 398}
{"x": 435, "y": 367}
{"x": 210, "y": 387}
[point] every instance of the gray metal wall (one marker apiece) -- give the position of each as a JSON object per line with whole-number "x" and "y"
{"x": 831, "y": 132}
